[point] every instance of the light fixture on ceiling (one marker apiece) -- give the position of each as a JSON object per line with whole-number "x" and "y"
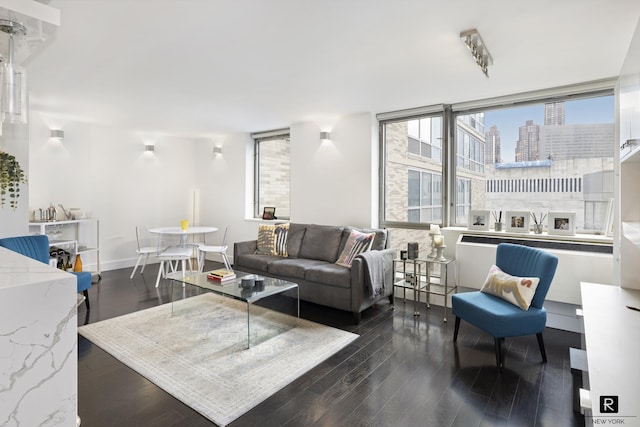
{"x": 57, "y": 134}
{"x": 149, "y": 148}
{"x": 325, "y": 136}
{"x": 217, "y": 150}
{"x": 478, "y": 49}
{"x": 14, "y": 84}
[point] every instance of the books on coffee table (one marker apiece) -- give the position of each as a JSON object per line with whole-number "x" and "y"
{"x": 221, "y": 275}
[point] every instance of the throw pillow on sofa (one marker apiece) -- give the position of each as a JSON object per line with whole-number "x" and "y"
{"x": 357, "y": 243}
{"x": 272, "y": 239}
{"x": 519, "y": 291}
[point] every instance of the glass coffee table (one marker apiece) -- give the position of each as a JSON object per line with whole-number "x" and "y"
{"x": 234, "y": 290}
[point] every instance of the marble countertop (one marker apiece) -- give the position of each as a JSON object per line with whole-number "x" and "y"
{"x": 18, "y": 270}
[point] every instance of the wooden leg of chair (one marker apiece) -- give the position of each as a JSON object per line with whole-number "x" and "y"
{"x": 541, "y": 345}
{"x": 499, "y": 355}
{"x": 86, "y": 299}
{"x": 456, "y": 328}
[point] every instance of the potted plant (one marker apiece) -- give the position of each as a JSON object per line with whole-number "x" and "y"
{"x": 11, "y": 176}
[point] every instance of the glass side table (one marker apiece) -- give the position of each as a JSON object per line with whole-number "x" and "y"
{"x": 411, "y": 271}
{"x": 442, "y": 287}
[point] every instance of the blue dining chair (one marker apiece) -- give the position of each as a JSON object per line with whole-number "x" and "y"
{"x": 37, "y": 247}
{"x": 500, "y": 318}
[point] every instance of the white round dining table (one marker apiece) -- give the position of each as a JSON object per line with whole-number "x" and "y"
{"x": 178, "y": 231}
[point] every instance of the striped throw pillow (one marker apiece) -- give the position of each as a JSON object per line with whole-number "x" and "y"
{"x": 357, "y": 243}
{"x": 272, "y": 239}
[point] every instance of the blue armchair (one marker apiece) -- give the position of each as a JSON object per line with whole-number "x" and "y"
{"x": 37, "y": 247}
{"x": 500, "y": 318}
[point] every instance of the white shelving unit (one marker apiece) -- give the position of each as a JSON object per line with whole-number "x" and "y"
{"x": 78, "y": 236}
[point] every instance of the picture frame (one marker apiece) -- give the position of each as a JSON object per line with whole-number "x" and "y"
{"x": 517, "y": 221}
{"x": 479, "y": 219}
{"x": 269, "y": 212}
{"x": 562, "y": 223}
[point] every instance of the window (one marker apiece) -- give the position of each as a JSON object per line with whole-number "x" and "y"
{"x": 540, "y": 157}
{"x": 272, "y": 173}
{"x": 413, "y": 170}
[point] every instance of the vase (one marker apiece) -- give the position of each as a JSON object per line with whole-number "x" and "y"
{"x": 77, "y": 266}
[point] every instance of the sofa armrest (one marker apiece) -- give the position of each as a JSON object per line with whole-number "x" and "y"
{"x": 243, "y": 248}
{"x": 360, "y": 295}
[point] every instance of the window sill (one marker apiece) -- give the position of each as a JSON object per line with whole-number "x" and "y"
{"x": 578, "y": 238}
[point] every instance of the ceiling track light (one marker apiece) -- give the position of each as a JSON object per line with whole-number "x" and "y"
{"x": 478, "y": 49}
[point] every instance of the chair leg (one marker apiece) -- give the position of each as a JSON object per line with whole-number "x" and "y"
{"x": 159, "y": 273}
{"x": 541, "y": 345}
{"x": 227, "y": 264}
{"x": 499, "y": 355}
{"x": 86, "y": 299}
{"x": 456, "y": 329}
{"x": 136, "y": 267}
{"x": 146, "y": 258}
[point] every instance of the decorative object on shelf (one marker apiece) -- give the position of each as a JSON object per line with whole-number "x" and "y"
{"x": 403, "y": 255}
{"x": 563, "y": 223}
{"x": 434, "y": 230}
{"x": 518, "y": 221}
{"x": 538, "y": 222}
{"x": 498, "y": 220}
{"x": 440, "y": 253}
{"x": 412, "y": 250}
{"x": 269, "y": 212}
{"x": 11, "y": 176}
{"x": 479, "y": 220}
{"x": 77, "y": 266}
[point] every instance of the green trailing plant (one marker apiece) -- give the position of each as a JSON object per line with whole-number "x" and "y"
{"x": 11, "y": 176}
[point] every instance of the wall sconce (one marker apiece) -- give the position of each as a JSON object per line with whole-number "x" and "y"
{"x": 478, "y": 49}
{"x": 57, "y": 134}
{"x": 149, "y": 148}
{"x": 217, "y": 151}
{"x": 325, "y": 136}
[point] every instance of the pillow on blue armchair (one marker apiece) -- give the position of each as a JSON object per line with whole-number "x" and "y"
{"x": 519, "y": 291}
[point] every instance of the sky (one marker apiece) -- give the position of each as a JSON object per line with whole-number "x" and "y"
{"x": 581, "y": 111}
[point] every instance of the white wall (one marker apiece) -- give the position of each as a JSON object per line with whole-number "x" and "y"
{"x": 335, "y": 182}
{"x": 105, "y": 172}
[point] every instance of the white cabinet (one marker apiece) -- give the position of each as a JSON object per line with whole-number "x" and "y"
{"x": 78, "y": 236}
{"x": 628, "y": 230}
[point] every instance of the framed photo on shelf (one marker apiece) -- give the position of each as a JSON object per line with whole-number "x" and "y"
{"x": 479, "y": 219}
{"x": 517, "y": 221}
{"x": 269, "y": 213}
{"x": 562, "y": 223}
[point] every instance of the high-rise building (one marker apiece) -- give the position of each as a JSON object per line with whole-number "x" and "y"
{"x": 528, "y": 144}
{"x": 554, "y": 114}
{"x": 492, "y": 146}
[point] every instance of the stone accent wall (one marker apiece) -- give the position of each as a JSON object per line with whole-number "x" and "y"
{"x": 275, "y": 171}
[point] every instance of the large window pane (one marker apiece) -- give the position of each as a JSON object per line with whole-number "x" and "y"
{"x": 413, "y": 170}
{"x": 540, "y": 157}
{"x": 273, "y": 175}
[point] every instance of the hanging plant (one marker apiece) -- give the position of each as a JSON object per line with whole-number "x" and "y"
{"x": 11, "y": 176}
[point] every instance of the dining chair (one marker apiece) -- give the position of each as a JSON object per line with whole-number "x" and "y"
{"x": 170, "y": 255}
{"x": 204, "y": 249}
{"x": 36, "y": 247}
{"x": 146, "y": 247}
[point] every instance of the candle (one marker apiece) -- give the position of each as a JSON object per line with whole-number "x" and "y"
{"x": 435, "y": 229}
{"x": 438, "y": 240}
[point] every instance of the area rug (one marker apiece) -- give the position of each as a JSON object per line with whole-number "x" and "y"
{"x": 199, "y": 354}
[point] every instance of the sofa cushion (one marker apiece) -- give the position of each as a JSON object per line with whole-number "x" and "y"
{"x": 272, "y": 239}
{"x": 254, "y": 261}
{"x": 379, "y": 241}
{"x": 292, "y": 267}
{"x": 330, "y": 274}
{"x": 294, "y": 239}
{"x": 321, "y": 242}
{"x": 356, "y": 244}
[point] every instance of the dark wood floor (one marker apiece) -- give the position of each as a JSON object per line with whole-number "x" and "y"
{"x": 399, "y": 372}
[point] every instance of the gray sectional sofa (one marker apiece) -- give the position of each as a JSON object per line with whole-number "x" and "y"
{"x": 312, "y": 253}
